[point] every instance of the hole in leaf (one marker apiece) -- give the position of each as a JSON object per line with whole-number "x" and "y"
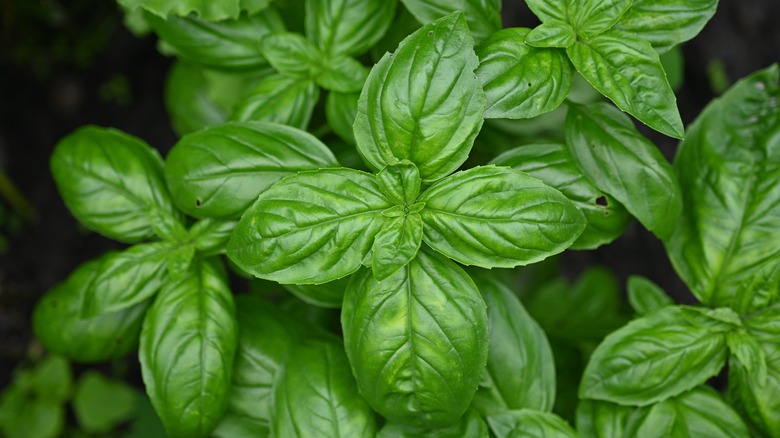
{"x": 529, "y": 84}
{"x": 602, "y": 201}
{"x": 198, "y": 203}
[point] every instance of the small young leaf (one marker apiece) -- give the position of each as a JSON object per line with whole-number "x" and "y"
{"x": 187, "y": 347}
{"x": 530, "y": 423}
{"x": 627, "y": 70}
{"x": 520, "y": 81}
{"x": 110, "y": 181}
{"x": 318, "y": 372}
{"x": 656, "y": 357}
{"x": 279, "y": 99}
{"x": 341, "y": 110}
{"x": 22, "y": 416}
{"x": 593, "y": 17}
{"x": 52, "y": 380}
{"x": 498, "y": 217}
{"x": 400, "y": 183}
{"x": 291, "y": 54}
{"x": 167, "y": 227}
{"x": 645, "y": 296}
{"x": 219, "y": 171}
{"x": 746, "y": 350}
{"x": 622, "y": 162}
{"x": 666, "y": 23}
{"x": 211, "y": 235}
{"x": 423, "y": 368}
{"x": 552, "y": 33}
{"x": 471, "y": 425}
{"x": 342, "y": 74}
{"x": 396, "y": 245}
{"x": 179, "y": 260}
{"x": 550, "y": 10}
{"x": 423, "y": 103}
{"x": 347, "y": 27}
{"x": 101, "y": 404}
{"x": 600, "y": 419}
{"x": 483, "y": 16}
{"x": 310, "y": 228}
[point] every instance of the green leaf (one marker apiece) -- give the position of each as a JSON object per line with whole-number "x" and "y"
{"x": 552, "y": 33}
{"x": 400, "y": 183}
{"x": 279, "y": 99}
{"x": 396, "y": 245}
{"x": 318, "y": 372}
{"x": 599, "y": 419}
{"x": 52, "y": 380}
{"x": 127, "y": 278}
{"x": 746, "y": 350}
{"x": 291, "y": 54}
{"x": 699, "y": 412}
{"x": 340, "y": 111}
{"x": 328, "y": 295}
{"x": 622, "y": 162}
{"x": 219, "y": 171}
{"x": 531, "y": 424}
{"x": 226, "y": 45}
{"x": 550, "y": 10}
{"x": 179, "y": 261}
{"x": 205, "y": 9}
{"x": 627, "y": 70}
{"x": 211, "y": 235}
{"x": 347, "y": 27}
{"x": 729, "y": 166}
{"x": 59, "y": 327}
{"x": 483, "y": 16}
{"x": 310, "y": 228}
{"x": 593, "y": 17}
{"x": 423, "y": 103}
{"x": 520, "y": 81}
{"x": 645, "y": 296}
{"x": 110, "y": 181}
{"x": 656, "y": 357}
{"x": 471, "y": 425}
{"x": 342, "y": 74}
{"x": 187, "y": 347}
{"x": 498, "y": 217}
{"x": 101, "y": 404}
{"x": 187, "y": 99}
{"x": 520, "y": 370}
{"x": 417, "y": 341}
{"x": 555, "y": 166}
{"x": 666, "y": 23}
{"x": 23, "y": 416}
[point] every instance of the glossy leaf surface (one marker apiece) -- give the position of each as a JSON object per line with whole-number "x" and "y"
{"x": 498, "y": 217}
{"x": 211, "y": 235}
{"x": 471, "y": 425}
{"x": 206, "y": 9}
{"x": 291, "y": 53}
{"x": 645, "y": 296}
{"x": 279, "y": 99}
{"x": 552, "y": 33}
{"x": 600, "y": 419}
{"x": 342, "y": 74}
{"x": 347, "y": 27}
{"x": 396, "y": 244}
{"x": 417, "y": 341}
{"x": 666, "y": 23}
{"x": 548, "y": 10}
{"x": 483, "y": 16}
{"x": 529, "y": 423}
{"x": 593, "y": 17}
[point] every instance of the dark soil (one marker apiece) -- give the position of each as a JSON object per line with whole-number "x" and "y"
{"x": 67, "y": 64}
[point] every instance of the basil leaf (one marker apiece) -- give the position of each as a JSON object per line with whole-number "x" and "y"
{"x": 279, "y": 99}
{"x": 110, "y": 180}
{"x": 400, "y": 183}
{"x": 656, "y": 357}
{"x": 699, "y": 412}
{"x": 667, "y": 23}
{"x": 423, "y": 103}
{"x": 22, "y": 416}
{"x": 531, "y": 424}
{"x": 342, "y": 74}
{"x": 645, "y": 296}
{"x": 423, "y": 369}
{"x": 549, "y": 10}
{"x": 59, "y": 327}
{"x": 498, "y": 217}
{"x": 555, "y": 166}
{"x": 599, "y": 419}
{"x": 187, "y": 348}
{"x": 396, "y": 245}
{"x": 187, "y": 99}
{"x": 552, "y": 33}
{"x": 340, "y": 111}
{"x": 627, "y": 70}
{"x": 205, "y": 9}
{"x": 290, "y": 53}
{"x": 312, "y": 227}
{"x": 483, "y": 16}
{"x": 329, "y": 295}
{"x": 179, "y": 261}
{"x": 219, "y": 171}
{"x": 167, "y": 227}
{"x": 725, "y": 244}
{"x": 126, "y": 278}
{"x": 211, "y": 235}
{"x": 471, "y": 425}
{"x": 746, "y": 350}
{"x": 622, "y": 162}
{"x": 520, "y": 81}
{"x": 520, "y": 372}
{"x": 226, "y": 45}
{"x": 593, "y": 17}
{"x": 101, "y": 404}
{"x": 318, "y": 372}
{"x": 347, "y": 27}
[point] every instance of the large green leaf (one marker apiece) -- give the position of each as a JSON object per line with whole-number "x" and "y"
{"x": 593, "y": 17}
{"x": 280, "y": 99}
{"x": 657, "y": 356}
{"x": 498, "y": 217}
{"x": 483, "y": 16}
{"x": 187, "y": 99}
{"x": 312, "y": 227}
{"x": 555, "y": 166}
{"x": 627, "y": 70}
{"x": 110, "y": 181}
{"x": 347, "y": 27}
{"x": 212, "y": 10}
{"x": 725, "y": 246}
{"x": 228, "y": 45}
{"x": 219, "y": 171}
{"x": 58, "y": 324}
{"x": 471, "y": 425}
{"x": 520, "y": 81}
{"x": 666, "y": 23}
{"x": 529, "y": 423}
{"x": 600, "y": 419}
{"x": 423, "y": 103}
{"x": 520, "y": 370}
{"x": 622, "y": 162}
{"x": 187, "y": 348}
{"x": 316, "y": 395}
{"x": 417, "y": 341}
